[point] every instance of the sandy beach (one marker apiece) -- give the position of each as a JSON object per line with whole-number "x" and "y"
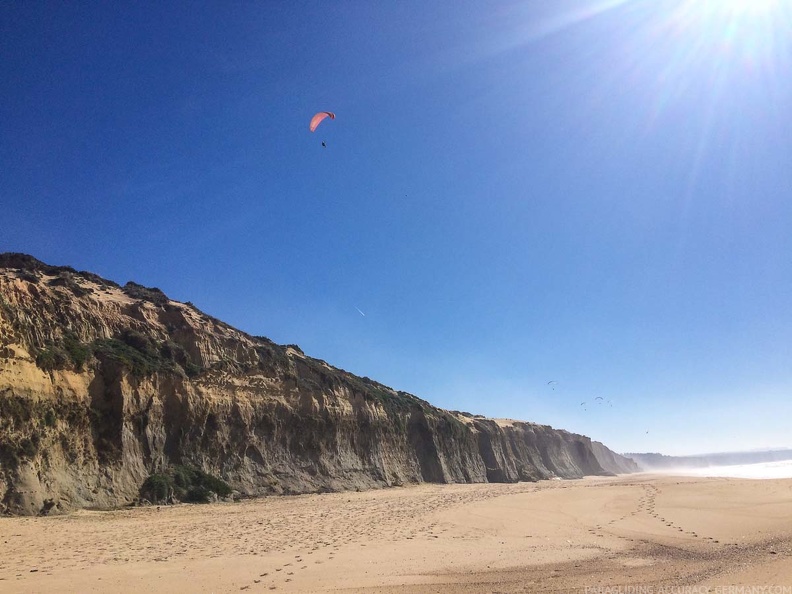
{"x": 600, "y": 534}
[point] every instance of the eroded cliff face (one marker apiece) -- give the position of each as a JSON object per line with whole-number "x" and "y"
{"x": 613, "y": 461}
{"x": 101, "y": 385}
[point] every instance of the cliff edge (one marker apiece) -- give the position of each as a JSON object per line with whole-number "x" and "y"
{"x": 102, "y": 385}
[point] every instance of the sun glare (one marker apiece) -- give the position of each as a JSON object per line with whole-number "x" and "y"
{"x": 734, "y": 12}
{"x": 748, "y": 31}
{"x": 743, "y": 7}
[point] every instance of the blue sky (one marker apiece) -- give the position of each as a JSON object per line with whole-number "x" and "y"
{"x": 590, "y": 192}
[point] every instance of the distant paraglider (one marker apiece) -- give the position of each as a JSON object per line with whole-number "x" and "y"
{"x": 552, "y": 384}
{"x": 319, "y": 118}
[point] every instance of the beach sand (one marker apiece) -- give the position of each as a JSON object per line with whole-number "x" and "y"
{"x": 655, "y": 531}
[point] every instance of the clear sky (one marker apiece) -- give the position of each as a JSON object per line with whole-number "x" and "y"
{"x": 595, "y": 193}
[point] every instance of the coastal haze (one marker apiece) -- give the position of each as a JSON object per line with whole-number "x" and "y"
{"x": 759, "y": 470}
{"x": 756, "y": 464}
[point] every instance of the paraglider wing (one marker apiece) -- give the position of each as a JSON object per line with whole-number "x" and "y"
{"x": 319, "y": 117}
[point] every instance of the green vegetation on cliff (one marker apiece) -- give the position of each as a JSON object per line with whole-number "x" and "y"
{"x": 183, "y": 483}
{"x": 134, "y": 350}
{"x": 28, "y": 427}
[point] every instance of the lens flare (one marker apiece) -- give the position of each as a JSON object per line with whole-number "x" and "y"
{"x": 742, "y": 7}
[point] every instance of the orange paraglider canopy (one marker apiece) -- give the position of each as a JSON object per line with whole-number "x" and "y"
{"x": 317, "y": 119}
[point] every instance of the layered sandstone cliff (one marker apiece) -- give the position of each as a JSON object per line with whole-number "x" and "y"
{"x": 101, "y": 385}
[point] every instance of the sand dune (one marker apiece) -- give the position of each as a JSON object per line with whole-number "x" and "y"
{"x": 555, "y": 535}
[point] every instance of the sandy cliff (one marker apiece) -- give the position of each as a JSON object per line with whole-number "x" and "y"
{"x": 101, "y": 385}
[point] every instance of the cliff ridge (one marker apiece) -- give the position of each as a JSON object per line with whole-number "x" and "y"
{"x": 102, "y": 385}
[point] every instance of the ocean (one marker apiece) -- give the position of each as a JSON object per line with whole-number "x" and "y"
{"x": 762, "y": 470}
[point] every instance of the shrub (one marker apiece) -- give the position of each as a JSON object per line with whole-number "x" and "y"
{"x": 175, "y": 352}
{"x": 68, "y": 353}
{"x": 157, "y": 488}
{"x": 186, "y": 484}
{"x": 152, "y": 294}
{"x": 52, "y": 358}
{"x": 50, "y": 418}
{"x": 65, "y": 279}
{"x": 182, "y": 477}
{"x": 272, "y": 358}
{"x": 135, "y": 351}
{"x": 198, "y": 494}
{"x": 186, "y": 477}
{"x": 143, "y": 356}
{"x": 214, "y": 484}
{"x": 28, "y": 276}
{"x": 191, "y": 369}
{"x": 76, "y": 350}
{"x": 116, "y": 350}
{"x": 29, "y": 447}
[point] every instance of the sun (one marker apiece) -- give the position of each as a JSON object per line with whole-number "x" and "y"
{"x": 735, "y": 12}
{"x": 743, "y": 7}
{"x": 747, "y": 26}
